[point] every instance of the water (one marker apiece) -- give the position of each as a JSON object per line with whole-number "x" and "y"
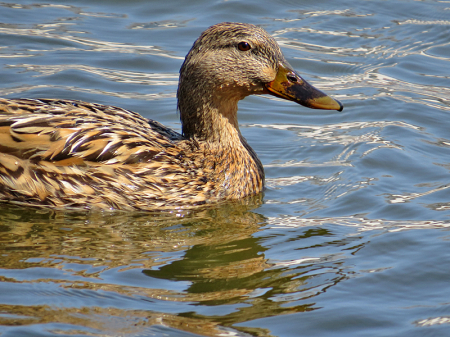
{"x": 351, "y": 236}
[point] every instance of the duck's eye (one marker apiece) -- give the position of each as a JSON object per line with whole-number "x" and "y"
{"x": 244, "y": 46}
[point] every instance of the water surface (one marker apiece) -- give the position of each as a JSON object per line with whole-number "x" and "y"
{"x": 349, "y": 239}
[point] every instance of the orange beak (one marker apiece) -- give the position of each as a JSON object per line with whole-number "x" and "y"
{"x": 288, "y": 84}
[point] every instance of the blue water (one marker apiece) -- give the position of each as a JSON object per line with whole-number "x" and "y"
{"x": 349, "y": 239}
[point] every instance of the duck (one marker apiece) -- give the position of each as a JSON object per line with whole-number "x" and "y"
{"x": 70, "y": 154}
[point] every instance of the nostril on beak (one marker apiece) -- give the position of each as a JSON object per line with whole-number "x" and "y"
{"x": 292, "y": 78}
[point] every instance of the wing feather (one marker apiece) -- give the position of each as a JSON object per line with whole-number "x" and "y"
{"x": 71, "y": 153}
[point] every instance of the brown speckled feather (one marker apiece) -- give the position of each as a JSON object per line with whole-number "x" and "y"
{"x": 76, "y": 154}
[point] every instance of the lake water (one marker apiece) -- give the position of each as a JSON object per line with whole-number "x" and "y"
{"x": 351, "y": 237}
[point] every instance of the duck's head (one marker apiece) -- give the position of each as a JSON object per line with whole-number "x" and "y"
{"x": 230, "y": 61}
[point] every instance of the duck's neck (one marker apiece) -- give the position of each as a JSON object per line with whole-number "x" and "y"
{"x": 210, "y": 117}
{"x": 211, "y": 120}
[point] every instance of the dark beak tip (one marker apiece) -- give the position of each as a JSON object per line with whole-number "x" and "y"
{"x": 341, "y": 107}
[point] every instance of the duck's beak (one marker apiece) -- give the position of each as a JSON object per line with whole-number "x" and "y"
{"x": 288, "y": 84}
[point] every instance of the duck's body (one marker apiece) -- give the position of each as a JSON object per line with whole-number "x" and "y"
{"x": 64, "y": 153}
{"x": 77, "y": 154}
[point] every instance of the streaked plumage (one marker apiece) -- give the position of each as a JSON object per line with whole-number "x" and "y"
{"x": 65, "y": 153}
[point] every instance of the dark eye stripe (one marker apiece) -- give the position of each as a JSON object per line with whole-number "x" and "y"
{"x": 244, "y": 46}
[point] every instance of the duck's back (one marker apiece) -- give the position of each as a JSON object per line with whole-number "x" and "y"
{"x": 71, "y": 153}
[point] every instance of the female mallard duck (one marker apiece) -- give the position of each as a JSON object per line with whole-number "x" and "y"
{"x": 65, "y": 153}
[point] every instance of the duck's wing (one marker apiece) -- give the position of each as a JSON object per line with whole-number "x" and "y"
{"x": 70, "y": 152}
{"x": 57, "y": 130}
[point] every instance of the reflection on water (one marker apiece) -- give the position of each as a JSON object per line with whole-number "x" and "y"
{"x": 211, "y": 252}
{"x": 351, "y": 235}
{"x": 114, "y": 272}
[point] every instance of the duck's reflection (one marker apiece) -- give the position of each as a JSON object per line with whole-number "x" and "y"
{"x": 221, "y": 263}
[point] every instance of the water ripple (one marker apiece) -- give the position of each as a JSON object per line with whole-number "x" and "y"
{"x": 74, "y": 9}
{"x": 94, "y": 45}
{"x": 17, "y": 91}
{"x": 123, "y": 76}
{"x": 361, "y": 224}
